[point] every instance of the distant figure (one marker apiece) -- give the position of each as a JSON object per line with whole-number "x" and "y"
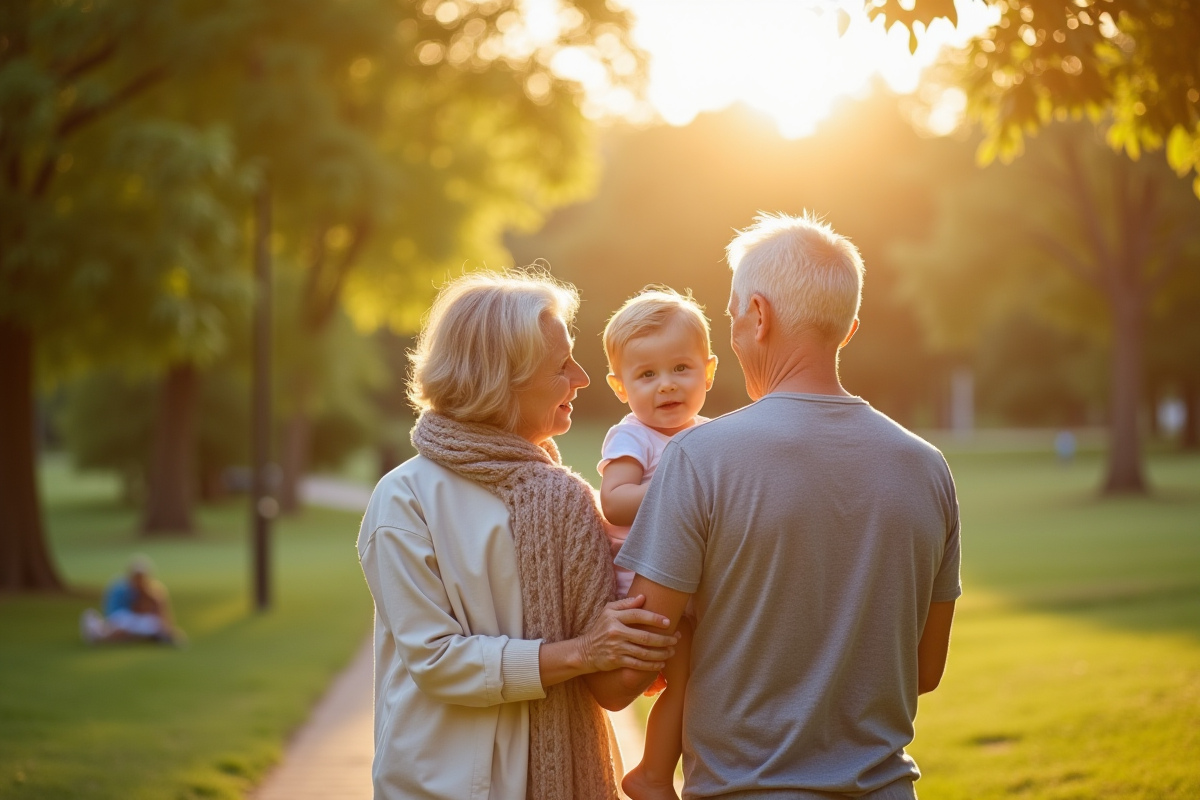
{"x": 1064, "y": 447}
{"x": 136, "y": 608}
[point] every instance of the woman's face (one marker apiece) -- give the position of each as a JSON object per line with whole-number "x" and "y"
{"x": 544, "y": 403}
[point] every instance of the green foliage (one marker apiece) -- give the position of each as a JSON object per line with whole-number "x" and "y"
{"x": 1130, "y": 63}
{"x": 106, "y": 425}
{"x": 401, "y": 139}
{"x": 107, "y": 415}
{"x": 138, "y": 260}
{"x": 406, "y": 136}
{"x": 987, "y": 259}
{"x": 116, "y": 238}
{"x": 1174, "y": 357}
{"x": 394, "y": 140}
{"x": 1031, "y": 373}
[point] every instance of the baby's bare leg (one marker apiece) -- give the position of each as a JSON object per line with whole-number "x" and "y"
{"x": 654, "y": 778}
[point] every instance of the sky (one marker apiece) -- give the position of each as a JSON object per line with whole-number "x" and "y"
{"x": 782, "y": 57}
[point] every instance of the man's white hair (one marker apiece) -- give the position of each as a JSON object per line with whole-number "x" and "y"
{"x": 811, "y": 275}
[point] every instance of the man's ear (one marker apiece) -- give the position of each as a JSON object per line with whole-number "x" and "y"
{"x": 850, "y": 335}
{"x": 618, "y": 388}
{"x": 710, "y": 372}
{"x": 763, "y": 316}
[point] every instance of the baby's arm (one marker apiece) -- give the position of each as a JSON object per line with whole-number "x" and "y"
{"x": 621, "y": 490}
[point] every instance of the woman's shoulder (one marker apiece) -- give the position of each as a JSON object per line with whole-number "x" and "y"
{"x": 407, "y": 497}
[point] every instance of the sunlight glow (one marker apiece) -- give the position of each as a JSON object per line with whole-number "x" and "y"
{"x": 782, "y": 57}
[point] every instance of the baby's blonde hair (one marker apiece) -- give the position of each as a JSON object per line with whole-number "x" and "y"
{"x": 648, "y": 311}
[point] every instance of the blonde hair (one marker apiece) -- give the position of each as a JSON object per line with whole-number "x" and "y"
{"x": 485, "y": 337}
{"x": 648, "y": 311}
{"x": 811, "y": 275}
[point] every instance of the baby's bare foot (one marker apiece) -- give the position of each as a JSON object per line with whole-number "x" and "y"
{"x": 639, "y": 786}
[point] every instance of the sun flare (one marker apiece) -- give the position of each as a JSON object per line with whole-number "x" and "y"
{"x": 786, "y": 58}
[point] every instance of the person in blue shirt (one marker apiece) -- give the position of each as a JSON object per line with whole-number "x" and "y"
{"x": 136, "y": 608}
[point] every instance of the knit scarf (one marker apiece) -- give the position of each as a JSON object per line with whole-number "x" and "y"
{"x": 566, "y": 578}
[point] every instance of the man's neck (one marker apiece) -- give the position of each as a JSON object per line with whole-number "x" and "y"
{"x": 805, "y": 370}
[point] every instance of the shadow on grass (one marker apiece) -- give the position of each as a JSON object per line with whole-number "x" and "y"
{"x": 1149, "y": 610}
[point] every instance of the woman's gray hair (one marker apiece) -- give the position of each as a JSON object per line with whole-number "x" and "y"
{"x": 811, "y": 275}
{"x": 484, "y": 338}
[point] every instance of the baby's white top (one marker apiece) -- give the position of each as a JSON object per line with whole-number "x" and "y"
{"x": 633, "y": 438}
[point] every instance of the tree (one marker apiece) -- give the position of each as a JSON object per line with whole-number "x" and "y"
{"x": 107, "y": 417}
{"x": 330, "y": 100}
{"x": 430, "y": 129}
{"x": 1130, "y": 64}
{"x": 92, "y": 265}
{"x": 1094, "y": 244}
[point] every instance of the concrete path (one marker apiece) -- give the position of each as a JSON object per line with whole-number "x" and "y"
{"x": 317, "y": 490}
{"x": 330, "y": 756}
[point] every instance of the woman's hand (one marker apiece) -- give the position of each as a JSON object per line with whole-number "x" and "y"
{"x": 610, "y": 643}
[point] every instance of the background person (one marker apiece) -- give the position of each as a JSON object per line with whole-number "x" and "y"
{"x": 490, "y": 569}
{"x": 819, "y": 539}
{"x": 136, "y": 607}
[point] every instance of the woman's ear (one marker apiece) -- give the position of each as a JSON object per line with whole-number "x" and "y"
{"x": 710, "y": 372}
{"x": 618, "y": 388}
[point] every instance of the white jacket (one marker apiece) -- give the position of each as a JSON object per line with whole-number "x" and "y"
{"x": 452, "y": 673}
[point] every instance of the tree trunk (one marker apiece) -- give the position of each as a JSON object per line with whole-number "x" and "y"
{"x": 25, "y": 561}
{"x": 212, "y": 485}
{"x": 171, "y": 480}
{"x": 294, "y": 444}
{"x": 1191, "y": 420}
{"x": 1124, "y": 450}
{"x": 1152, "y": 399}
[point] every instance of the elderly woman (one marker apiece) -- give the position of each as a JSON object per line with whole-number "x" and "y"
{"x": 490, "y": 569}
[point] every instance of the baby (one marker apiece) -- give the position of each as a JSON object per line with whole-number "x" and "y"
{"x": 661, "y": 364}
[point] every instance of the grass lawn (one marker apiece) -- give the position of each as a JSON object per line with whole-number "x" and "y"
{"x": 1075, "y": 663}
{"x": 153, "y": 722}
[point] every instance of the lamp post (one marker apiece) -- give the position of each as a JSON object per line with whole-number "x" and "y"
{"x": 263, "y": 506}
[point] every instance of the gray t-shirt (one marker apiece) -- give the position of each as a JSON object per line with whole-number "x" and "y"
{"x": 813, "y": 532}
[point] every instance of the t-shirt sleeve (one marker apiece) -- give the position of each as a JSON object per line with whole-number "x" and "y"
{"x": 947, "y": 583}
{"x": 624, "y": 441}
{"x": 670, "y": 533}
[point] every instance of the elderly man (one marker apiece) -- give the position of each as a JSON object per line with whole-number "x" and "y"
{"x": 818, "y": 538}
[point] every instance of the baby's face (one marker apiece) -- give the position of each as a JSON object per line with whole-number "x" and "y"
{"x": 664, "y": 376}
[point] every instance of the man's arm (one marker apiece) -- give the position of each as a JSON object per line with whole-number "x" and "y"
{"x": 616, "y": 689}
{"x": 933, "y": 647}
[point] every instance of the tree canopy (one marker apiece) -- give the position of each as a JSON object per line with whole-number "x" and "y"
{"x": 397, "y": 138}
{"x": 1128, "y": 63}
